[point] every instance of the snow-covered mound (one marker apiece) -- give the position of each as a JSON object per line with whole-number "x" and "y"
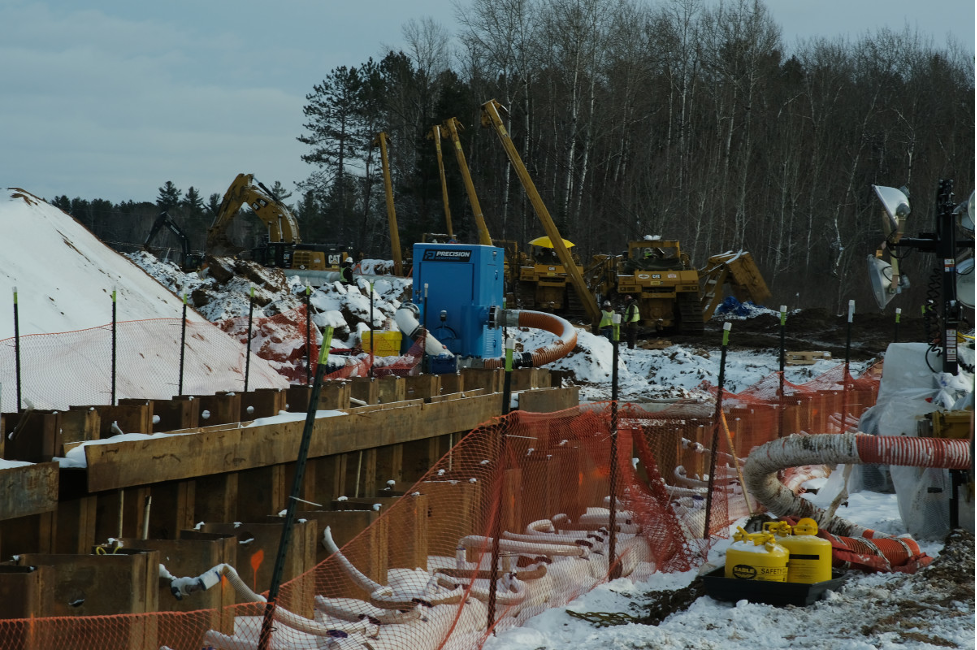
{"x": 64, "y": 278}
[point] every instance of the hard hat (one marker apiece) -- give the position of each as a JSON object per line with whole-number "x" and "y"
{"x": 607, "y": 303}
{"x": 628, "y": 298}
{"x": 348, "y": 262}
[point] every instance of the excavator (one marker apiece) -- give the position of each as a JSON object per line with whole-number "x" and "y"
{"x": 188, "y": 260}
{"x": 283, "y": 248}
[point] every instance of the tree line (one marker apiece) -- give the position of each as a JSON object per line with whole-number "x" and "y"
{"x": 683, "y": 119}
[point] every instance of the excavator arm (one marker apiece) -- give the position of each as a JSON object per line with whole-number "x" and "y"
{"x": 490, "y": 117}
{"x": 164, "y": 219}
{"x": 278, "y": 219}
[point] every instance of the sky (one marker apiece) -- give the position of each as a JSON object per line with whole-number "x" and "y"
{"x": 112, "y": 98}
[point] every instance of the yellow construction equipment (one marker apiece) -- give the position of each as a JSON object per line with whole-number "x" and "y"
{"x": 671, "y": 293}
{"x": 740, "y": 272}
{"x": 381, "y": 141}
{"x": 283, "y": 248}
{"x": 564, "y": 265}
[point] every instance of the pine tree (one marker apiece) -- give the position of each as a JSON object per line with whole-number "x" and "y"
{"x": 169, "y": 196}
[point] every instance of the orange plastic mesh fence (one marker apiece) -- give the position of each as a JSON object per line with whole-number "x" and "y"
{"x": 418, "y": 577}
{"x": 59, "y": 370}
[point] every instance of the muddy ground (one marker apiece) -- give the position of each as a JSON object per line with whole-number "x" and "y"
{"x": 814, "y": 330}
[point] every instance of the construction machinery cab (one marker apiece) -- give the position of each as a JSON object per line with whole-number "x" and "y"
{"x": 656, "y": 255}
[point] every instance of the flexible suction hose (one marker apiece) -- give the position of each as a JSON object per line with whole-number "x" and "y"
{"x": 565, "y": 332}
{"x": 760, "y": 471}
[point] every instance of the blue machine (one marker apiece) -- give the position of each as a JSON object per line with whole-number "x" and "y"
{"x": 464, "y": 281}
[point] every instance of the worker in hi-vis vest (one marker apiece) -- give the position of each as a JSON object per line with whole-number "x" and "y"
{"x": 631, "y": 318}
{"x": 607, "y": 320}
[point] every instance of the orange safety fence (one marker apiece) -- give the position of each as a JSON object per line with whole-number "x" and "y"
{"x": 68, "y": 368}
{"x": 419, "y": 576}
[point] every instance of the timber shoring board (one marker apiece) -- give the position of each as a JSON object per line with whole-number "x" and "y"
{"x": 215, "y": 450}
{"x": 28, "y": 490}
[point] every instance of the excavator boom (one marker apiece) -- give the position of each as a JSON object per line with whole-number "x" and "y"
{"x": 490, "y": 117}
{"x": 278, "y": 219}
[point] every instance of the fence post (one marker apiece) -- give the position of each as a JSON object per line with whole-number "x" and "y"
{"x": 783, "y": 364}
{"x": 844, "y": 385}
{"x": 895, "y": 334}
{"x": 247, "y": 354}
{"x": 510, "y": 345}
{"x": 183, "y": 343}
{"x": 114, "y": 354}
{"x": 714, "y": 451}
{"x": 264, "y": 640}
{"x": 17, "y": 348}
{"x": 615, "y": 569}
{"x": 308, "y": 335}
{"x": 373, "y": 344}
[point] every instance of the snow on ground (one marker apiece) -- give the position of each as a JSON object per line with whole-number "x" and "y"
{"x": 870, "y": 611}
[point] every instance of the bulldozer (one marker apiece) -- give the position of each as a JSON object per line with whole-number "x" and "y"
{"x": 672, "y": 294}
{"x": 282, "y": 246}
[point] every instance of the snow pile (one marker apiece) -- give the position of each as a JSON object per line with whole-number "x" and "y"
{"x": 64, "y": 278}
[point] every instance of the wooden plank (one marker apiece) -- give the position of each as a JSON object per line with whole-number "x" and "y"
{"x": 368, "y": 552}
{"x": 76, "y": 525}
{"x": 422, "y": 386}
{"x": 79, "y": 425}
{"x": 262, "y": 403}
{"x": 407, "y": 517}
{"x": 452, "y": 382}
{"x": 174, "y": 414}
{"x": 171, "y": 510}
{"x": 39, "y": 438}
{"x": 365, "y": 389}
{"x": 28, "y": 490}
{"x": 218, "y": 450}
{"x": 220, "y": 408}
{"x": 334, "y": 394}
{"x": 188, "y": 558}
{"x": 261, "y": 492}
{"x": 392, "y": 389}
{"x": 549, "y": 400}
{"x": 131, "y": 416}
{"x": 216, "y": 497}
{"x": 257, "y": 547}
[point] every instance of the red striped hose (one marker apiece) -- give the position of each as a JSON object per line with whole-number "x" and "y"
{"x": 764, "y": 462}
{"x": 565, "y": 332}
